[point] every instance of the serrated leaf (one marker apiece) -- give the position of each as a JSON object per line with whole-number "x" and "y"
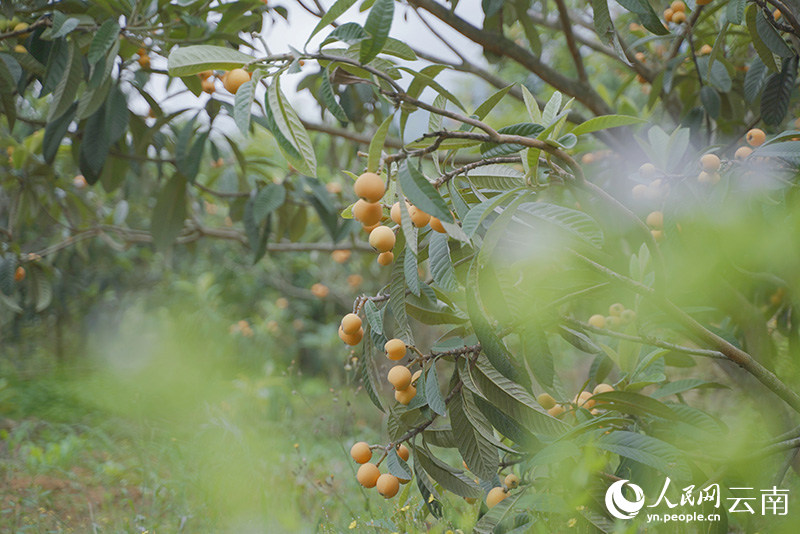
{"x": 367, "y": 373}
{"x": 440, "y": 263}
{"x": 448, "y": 477}
{"x": 763, "y": 51}
{"x": 338, "y": 8}
{"x": 605, "y": 122}
{"x": 680, "y": 386}
{"x": 376, "y": 144}
{"x": 771, "y": 37}
{"x": 711, "y": 101}
{"x": 188, "y": 60}
{"x": 397, "y": 466}
{"x": 634, "y": 403}
{"x": 754, "y": 79}
{"x": 243, "y": 103}
{"x": 54, "y": 133}
{"x": 267, "y": 200}
{"x": 374, "y": 316}
{"x": 496, "y": 177}
{"x": 102, "y": 41}
{"x": 778, "y": 92}
{"x": 602, "y": 19}
{"x": 478, "y": 453}
{"x": 488, "y": 105}
{"x": 411, "y": 266}
{"x": 421, "y": 193}
{"x": 500, "y": 512}
{"x": 574, "y": 222}
{"x": 378, "y": 24}
{"x": 525, "y": 129}
{"x": 329, "y": 98}
{"x": 647, "y": 450}
{"x": 432, "y": 392}
{"x": 734, "y": 11}
{"x": 292, "y": 128}
{"x": 67, "y": 87}
{"x": 427, "y": 490}
{"x": 644, "y": 11}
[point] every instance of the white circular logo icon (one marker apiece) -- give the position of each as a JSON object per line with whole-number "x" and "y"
{"x": 618, "y": 505}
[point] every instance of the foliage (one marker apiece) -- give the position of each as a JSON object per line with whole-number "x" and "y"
{"x": 694, "y": 259}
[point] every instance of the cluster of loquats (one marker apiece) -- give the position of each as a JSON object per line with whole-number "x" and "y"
{"x": 369, "y": 474}
{"x": 144, "y": 59}
{"x": 584, "y": 399}
{"x": 617, "y": 316}
{"x": 241, "y": 327}
{"x": 351, "y": 330}
{"x": 499, "y": 493}
{"x": 231, "y": 80}
{"x": 675, "y": 13}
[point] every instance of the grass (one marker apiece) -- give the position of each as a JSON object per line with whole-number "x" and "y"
{"x": 169, "y": 432}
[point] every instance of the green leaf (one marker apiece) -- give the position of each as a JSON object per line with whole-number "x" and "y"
{"x": 329, "y": 98}
{"x": 95, "y": 145}
{"x": 448, "y": 477}
{"x": 65, "y": 27}
{"x": 421, "y": 193}
{"x": 367, "y": 373}
{"x": 496, "y": 177}
{"x": 734, "y": 11}
{"x": 8, "y": 267}
{"x": 711, "y": 101}
{"x": 102, "y": 41}
{"x": 679, "y": 386}
{"x": 427, "y": 490}
{"x": 644, "y": 11}
{"x": 397, "y": 298}
{"x": 762, "y": 49}
{"x": 432, "y": 392}
{"x": 411, "y": 266}
{"x": 397, "y": 466}
{"x": 771, "y": 37}
{"x": 292, "y": 128}
{"x": 194, "y": 59}
{"x": 478, "y": 453}
{"x": 243, "y": 103}
{"x": 441, "y": 265}
{"x": 573, "y": 222}
{"x": 267, "y": 200}
{"x": 533, "y": 107}
{"x": 602, "y": 19}
{"x": 715, "y": 73}
{"x": 331, "y": 15}
{"x": 170, "y": 211}
{"x": 604, "y": 123}
{"x": 54, "y": 133}
{"x": 647, "y": 450}
{"x": 489, "y": 104}
{"x": 525, "y": 129}
{"x": 378, "y": 24}
{"x": 349, "y": 32}
{"x": 777, "y": 92}
{"x": 634, "y": 403}
{"x": 514, "y": 401}
{"x": 537, "y": 354}
{"x": 67, "y": 88}
{"x": 754, "y": 79}
{"x": 376, "y": 144}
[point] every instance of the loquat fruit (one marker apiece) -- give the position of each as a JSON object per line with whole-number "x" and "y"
{"x": 436, "y": 225}
{"x": 668, "y": 14}
{"x": 367, "y": 213}
{"x": 320, "y": 290}
{"x": 658, "y": 235}
{"x": 355, "y": 281}
{"x": 597, "y": 321}
{"x": 385, "y": 258}
{"x": 368, "y": 475}
{"x": 655, "y": 220}
{"x": 361, "y": 452}
{"x": 382, "y": 239}
{"x": 710, "y": 162}
{"x": 370, "y": 187}
{"x": 546, "y": 401}
{"x": 340, "y": 256}
{"x": 556, "y": 410}
{"x": 234, "y": 79}
{"x": 616, "y": 309}
{"x": 677, "y": 6}
{"x": 418, "y": 217}
{"x": 399, "y": 376}
{"x": 206, "y": 74}
{"x": 511, "y": 481}
{"x": 21, "y": 50}
{"x": 602, "y": 388}
{"x": 387, "y": 485}
{"x": 144, "y": 62}
{"x": 334, "y": 188}
{"x": 352, "y": 339}
{"x": 395, "y": 214}
{"x": 584, "y": 400}
{"x": 679, "y": 17}
{"x": 743, "y": 152}
{"x": 756, "y": 137}
{"x": 706, "y": 177}
{"x": 627, "y": 316}
{"x": 705, "y": 50}
{"x": 647, "y": 170}
{"x": 639, "y": 191}
{"x": 495, "y": 496}
{"x": 395, "y": 348}
{"x": 405, "y": 396}
{"x": 403, "y": 452}
{"x": 208, "y": 86}
{"x": 415, "y": 376}
{"x": 351, "y": 323}
{"x": 612, "y": 321}
{"x": 19, "y": 274}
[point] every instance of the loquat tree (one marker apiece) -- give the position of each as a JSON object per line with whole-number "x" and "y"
{"x": 588, "y": 277}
